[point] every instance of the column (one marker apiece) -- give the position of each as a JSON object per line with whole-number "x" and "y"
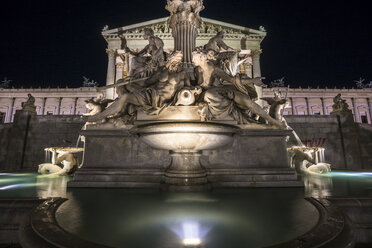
{"x": 42, "y": 108}
{"x": 74, "y": 106}
{"x": 369, "y": 102}
{"x": 356, "y": 112}
{"x": 9, "y": 115}
{"x": 248, "y": 70}
{"x": 185, "y": 34}
{"x": 59, "y": 106}
{"x": 308, "y": 106}
{"x": 292, "y": 106}
{"x": 323, "y": 106}
{"x": 110, "y": 79}
{"x": 257, "y": 73}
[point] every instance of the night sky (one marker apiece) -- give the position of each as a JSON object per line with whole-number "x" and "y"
{"x": 311, "y": 43}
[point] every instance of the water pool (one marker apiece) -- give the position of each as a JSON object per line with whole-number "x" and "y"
{"x": 221, "y": 218}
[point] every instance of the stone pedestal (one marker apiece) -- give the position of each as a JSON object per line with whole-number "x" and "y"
{"x": 117, "y": 158}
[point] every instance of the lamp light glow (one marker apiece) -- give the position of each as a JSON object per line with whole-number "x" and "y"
{"x": 191, "y": 242}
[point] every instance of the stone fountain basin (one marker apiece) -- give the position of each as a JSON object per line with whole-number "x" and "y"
{"x": 186, "y": 136}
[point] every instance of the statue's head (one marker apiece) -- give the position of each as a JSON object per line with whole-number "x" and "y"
{"x": 174, "y": 61}
{"x": 220, "y": 34}
{"x": 198, "y": 58}
{"x": 147, "y": 33}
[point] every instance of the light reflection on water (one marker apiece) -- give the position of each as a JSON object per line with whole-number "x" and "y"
{"x": 222, "y": 218}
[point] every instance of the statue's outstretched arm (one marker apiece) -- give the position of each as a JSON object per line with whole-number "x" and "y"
{"x": 222, "y": 44}
{"x": 223, "y": 75}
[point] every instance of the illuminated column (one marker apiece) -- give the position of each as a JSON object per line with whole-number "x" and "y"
{"x": 42, "y": 108}
{"x": 257, "y": 73}
{"x": 59, "y": 106}
{"x": 110, "y": 79}
{"x": 74, "y": 106}
{"x": 248, "y": 70}
{"x": 369, "y": 102}
{"x": 10, "y": 111}
{"x": 323, "y": 106}
{"x": 308, "y": 106}
{"x": 356, "y": 112}
{"x": 292, "y": 106}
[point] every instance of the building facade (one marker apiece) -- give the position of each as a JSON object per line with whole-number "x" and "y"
{"x": 70, "y": 101}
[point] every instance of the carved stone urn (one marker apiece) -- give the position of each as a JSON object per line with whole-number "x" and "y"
{"x": 185, "y": 142}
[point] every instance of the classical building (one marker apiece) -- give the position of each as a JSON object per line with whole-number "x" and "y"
{"x": 70, "y": 101}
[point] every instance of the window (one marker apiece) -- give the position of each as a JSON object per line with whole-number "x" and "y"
{"x": 49, "y": 112}
{"x": 316, "y": 113}
{"x": 364, "y": 118}
{"x": 2, "y": 117}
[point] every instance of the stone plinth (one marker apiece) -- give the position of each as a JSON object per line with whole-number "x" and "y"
{"x": 117, "y": 158}
{"x": 257, "y": 158}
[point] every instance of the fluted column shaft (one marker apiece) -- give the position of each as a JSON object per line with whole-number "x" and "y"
{"x": 10, "y": 111}
{"x": 184, "y": 35}
{"x": 110, "y": 79}
{"x": 323, "y": 106}
{"x": 356, "y": 112}
{"x": 369, "y": 101}
{"x": 42, "y": 109}
{"x": 256, "y": 68}
{"x": 307, "y": 106}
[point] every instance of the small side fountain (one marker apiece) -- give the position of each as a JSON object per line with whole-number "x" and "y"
{"x": 66, "y": 156}
{"x": 309, "y": 160}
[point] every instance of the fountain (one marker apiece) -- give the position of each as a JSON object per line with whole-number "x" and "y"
{"x": 185, "y": 141}
{"x": 67, "y": 156}
{"x": 192, "y": 105}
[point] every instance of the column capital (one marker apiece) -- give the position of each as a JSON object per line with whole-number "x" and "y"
{"x": 111, "y": 53}
{"x": 256, "y": 53}
{"x": 120, "y": 66}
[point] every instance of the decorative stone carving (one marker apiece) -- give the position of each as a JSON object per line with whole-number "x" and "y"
{"x": 29, "y": 104}
{"x": 61, "y": 155}
{"x": 340, "y": 105}
{"x": 96, "y": 106}
{"x": 223, "y": 99}
{"x": 217, "y": 44}
{"x": 110, "y": 53}
{"x": 148, "y": 59}
{"x": 158, "y": 93}
{"x": 305, "y": 163}
{"x": 276, "y": 105}
{"x": 184, "y": 21}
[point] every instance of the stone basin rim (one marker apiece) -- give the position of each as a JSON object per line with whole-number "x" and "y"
{"x": 171, "y": 127}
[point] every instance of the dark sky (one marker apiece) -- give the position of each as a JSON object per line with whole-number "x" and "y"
{"x": 50, "y": 43}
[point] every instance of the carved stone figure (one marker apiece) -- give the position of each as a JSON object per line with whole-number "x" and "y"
{"x": 276, "y": 105}
{"x": 339, "y": 105}
{"x": 66, "y": 158}
{"x": 96, "y": 106}
{"x": 186, "y": 96}
{"x": 303, "y": 162}
{"x": 29, "y": 104}
{"x": 159, "y": 92}
{"x": 217, "y": 44}
{"x": 148, "y": 59}
{"x": 234, "y": 98}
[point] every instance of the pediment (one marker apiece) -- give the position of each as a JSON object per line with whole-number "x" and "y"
{"x": 209, "y": 27}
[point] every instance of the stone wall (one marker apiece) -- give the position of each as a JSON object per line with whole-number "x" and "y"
{"x": 348, "y": 145}
{"x": 24, "y": 141}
